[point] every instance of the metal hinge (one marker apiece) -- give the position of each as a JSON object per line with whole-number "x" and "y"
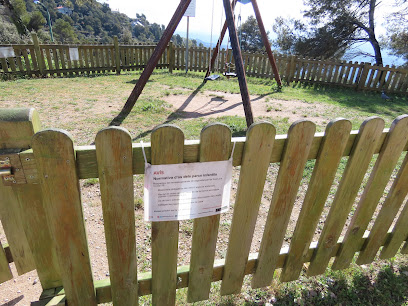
{"x": 11, "y": 170}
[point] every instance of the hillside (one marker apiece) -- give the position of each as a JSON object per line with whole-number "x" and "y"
{"x": 73, "y": 21}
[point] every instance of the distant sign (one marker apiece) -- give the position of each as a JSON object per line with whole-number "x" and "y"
{"x": 7, "y": 52}
{"x": 73, "y": 54}
{"x": 190, "y": 12}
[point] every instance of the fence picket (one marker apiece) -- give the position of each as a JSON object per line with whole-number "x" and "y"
{"x": 399, "y": 235}
{"x": 360, "y": 157}
{"x": 5, "y": 272}
{"x": 297, "y": 147}
{"x": 55, "y": 158}
{"x": 255, "y": 163}
{"x": 388, "y": 157}
{"x": 40, "y": 240}
{"x": 114, "y": 156}
{"x": 167, "y": 143}
{"x": 388, "y": 211}
{"x": 13, "y": 227}
{"x": 329, "y": 156}
{"x": 215, "y": 145}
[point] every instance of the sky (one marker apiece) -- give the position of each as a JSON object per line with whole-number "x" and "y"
{"x": 161, "y": 11}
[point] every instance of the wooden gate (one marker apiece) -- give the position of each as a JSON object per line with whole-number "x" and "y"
{"x": 41, "y": 208}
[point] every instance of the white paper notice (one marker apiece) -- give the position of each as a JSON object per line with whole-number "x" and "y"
{"x": 73, "y": 54}
{"x": 190, "y": 12}
{"x": 186, "y": 191}
{"x": 7, "y": 52}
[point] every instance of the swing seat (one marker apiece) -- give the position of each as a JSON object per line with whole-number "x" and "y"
{"x": 212, "y": 77}
{"x": 230, "y": 74}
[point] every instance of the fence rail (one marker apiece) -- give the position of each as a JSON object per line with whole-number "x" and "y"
{"x": 58, "y": 60}
{"x": 41, "y": 208}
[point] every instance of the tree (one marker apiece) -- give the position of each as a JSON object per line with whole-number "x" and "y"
{"x": 334, "y": 27}
{"x": 36, "y": 21}
{"x": 251, "y": 39}
{"x": 397, "y": 42}
{"x": 64, "y": 31}
{"x": 347, "y": 21}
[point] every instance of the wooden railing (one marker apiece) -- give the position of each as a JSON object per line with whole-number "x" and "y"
{"x": 41, "y": 208}
{"x": 55, "y": 60}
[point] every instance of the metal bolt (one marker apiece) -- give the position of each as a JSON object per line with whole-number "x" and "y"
{"x": 27, "y": 159}
{"x": 7, "y": 158}
{"x": 14, "y": 182}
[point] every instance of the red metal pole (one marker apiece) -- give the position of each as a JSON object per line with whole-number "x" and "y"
{"x": 266, "y": 43}
{"x": 153, "y": 61}
{"x": 239, "y": 65}
{"x": 223, "y": 31}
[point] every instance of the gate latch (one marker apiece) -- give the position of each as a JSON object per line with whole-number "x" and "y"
{"x": 11, "y": 170}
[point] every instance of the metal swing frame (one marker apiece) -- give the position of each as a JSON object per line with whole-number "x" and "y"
{"x": 165, "y": 39}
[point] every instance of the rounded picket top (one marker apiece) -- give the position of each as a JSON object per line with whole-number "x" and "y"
{"x": 18, "y": 125}
{"x": 52, "y": 137}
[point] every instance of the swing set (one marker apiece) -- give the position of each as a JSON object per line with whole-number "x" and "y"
{"x": 236, "y": 50}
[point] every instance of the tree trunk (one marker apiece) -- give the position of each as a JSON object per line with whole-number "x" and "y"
{"x": 371, "y": 34}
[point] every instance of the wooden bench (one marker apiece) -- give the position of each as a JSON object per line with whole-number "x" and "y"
{"x": 42, "y": 215}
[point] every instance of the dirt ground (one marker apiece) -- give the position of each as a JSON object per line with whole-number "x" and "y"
{"x": 214, "y": 104}
{"x": 25, "y": 288}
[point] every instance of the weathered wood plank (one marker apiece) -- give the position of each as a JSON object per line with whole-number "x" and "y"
{"x": 33, "y": 216}
{"x": 114, "y": 155}
{"x": 327, "y": 161}
{"x": 389, "y": 210}
{"x": 167, "y": 148}
{"x": 5, "y": 272}
{"x": 87, "y": 167}
{"x": 14, "y": 230}
{"x": 55, "y": 158}
{"x": 255, "y": 163}
{"x": 380, "y": 175}
{"x": 16, "y": 126}
{"x": 4, "y": 65}
{"x": 298, "y": 144}
{"x": 399, "y": 235}
{"x": 360, "y": 157}
{"x": 215, "y": 145}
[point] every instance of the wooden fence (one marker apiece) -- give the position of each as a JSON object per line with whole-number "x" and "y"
{"x": 41, "y": 209}
{"x": 58, "y": 60}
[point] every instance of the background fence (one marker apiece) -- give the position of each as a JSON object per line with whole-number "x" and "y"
{"x": 58, "y": 60}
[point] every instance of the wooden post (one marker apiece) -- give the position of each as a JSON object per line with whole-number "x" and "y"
{"x": 38, "y": 55}
{"x": 171, "y": 57}
{"x": 266, "y": 43}
{"x": 21, "y": 207}
{"x": 154, "y": 59}
{"x": 117, "y": 54}
{"x": 239, "y": 65}
{"x": 55, "y": 158}
{"x": 363, "y": 77}
{"x": 215, "y": 52}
